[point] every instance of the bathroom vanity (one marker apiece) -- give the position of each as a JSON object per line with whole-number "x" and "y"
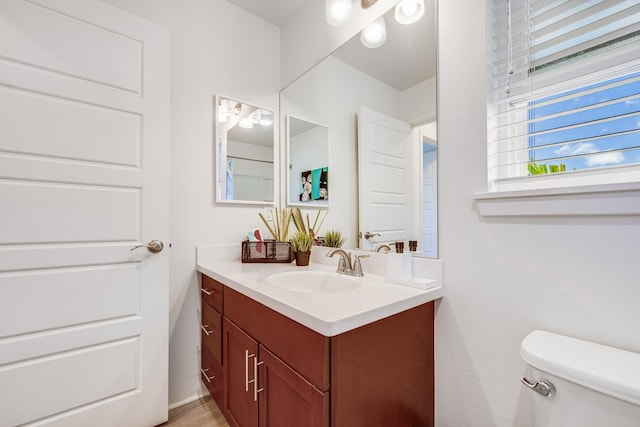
{"x": 270, "y": 357}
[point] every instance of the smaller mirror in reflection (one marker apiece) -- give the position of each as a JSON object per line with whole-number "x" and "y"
{"x": 308, "y": 178}
{"x": 244, "y": 153}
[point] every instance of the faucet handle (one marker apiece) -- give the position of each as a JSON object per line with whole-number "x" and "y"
{"x": 357, "y": 266}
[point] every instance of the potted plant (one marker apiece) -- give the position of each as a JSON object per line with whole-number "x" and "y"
{"x": 301, "y": 243}
{"x": 333, "y": 239}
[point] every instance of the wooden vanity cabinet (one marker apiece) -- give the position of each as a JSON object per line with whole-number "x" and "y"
{"x": 380, "y": 374}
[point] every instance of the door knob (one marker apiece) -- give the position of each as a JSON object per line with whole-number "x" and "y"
{"x": 153, "y": 246}
{"x": 368, "y": 234}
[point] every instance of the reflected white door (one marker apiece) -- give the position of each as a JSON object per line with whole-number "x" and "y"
{"x": 430, "y": 201}
{"x": 387, "y": 187}
{"x": 84, "y": 102}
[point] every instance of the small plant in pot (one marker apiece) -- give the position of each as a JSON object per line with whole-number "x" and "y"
{"x": 301, "y": 243}
{"x": 333, "y": 239}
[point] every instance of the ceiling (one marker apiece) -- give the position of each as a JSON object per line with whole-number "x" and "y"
{"x": 411, "y": 48}
{"x": 277, "y": 12}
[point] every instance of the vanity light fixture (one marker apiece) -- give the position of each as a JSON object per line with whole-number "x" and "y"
{"x": 409, "y": 11}
{"x": 375, "y": 34}
{"x": 338, "y": 11}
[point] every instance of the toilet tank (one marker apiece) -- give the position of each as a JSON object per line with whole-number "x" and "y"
{"x": 588, "y": 384}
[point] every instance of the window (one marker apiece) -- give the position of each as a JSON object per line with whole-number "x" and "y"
{"x": 566, "y": 93}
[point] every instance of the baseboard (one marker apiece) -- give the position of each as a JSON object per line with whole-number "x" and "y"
{"x": 187, "y": 400}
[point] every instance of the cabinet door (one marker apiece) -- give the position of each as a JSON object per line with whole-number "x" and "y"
{"x": 287, "y": 399}
{"x": 239, "y": 353}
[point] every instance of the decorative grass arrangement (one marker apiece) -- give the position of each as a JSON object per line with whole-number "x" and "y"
{"x": 301, "y": 242}
{"x": 333, "y": 239}
{"x": 311, "y": 230}
{"x": 279, "y": 227}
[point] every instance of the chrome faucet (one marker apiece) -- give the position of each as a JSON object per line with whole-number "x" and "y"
{"x": 382, "y": 246}
{"x": 344, "y": 263}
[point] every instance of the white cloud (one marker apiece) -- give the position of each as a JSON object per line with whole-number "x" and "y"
{"x": 610, "y": 158}
{"x": 576, "y": 149}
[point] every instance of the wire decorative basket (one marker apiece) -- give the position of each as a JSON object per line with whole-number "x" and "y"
{"x": 267, "y": 251}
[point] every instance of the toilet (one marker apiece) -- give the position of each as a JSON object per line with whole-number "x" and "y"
{"x": 579, "y": 383}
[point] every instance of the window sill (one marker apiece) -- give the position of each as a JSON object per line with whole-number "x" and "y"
{"x": 592, "y": 200}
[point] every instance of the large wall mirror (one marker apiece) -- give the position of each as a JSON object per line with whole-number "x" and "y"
{"x": 379, "y": 106}
{"x": 245, "y": 153}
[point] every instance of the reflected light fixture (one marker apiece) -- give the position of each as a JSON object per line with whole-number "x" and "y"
{"x": 246, "y": 123}
{"x": 375, "y": 34}
{"x": 338, "y": 11}
{"x": 409, "y": 11}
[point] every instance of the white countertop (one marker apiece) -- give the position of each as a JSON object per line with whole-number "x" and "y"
{"x": 329, "y": 314}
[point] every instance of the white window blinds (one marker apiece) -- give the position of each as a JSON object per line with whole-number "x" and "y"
{"x": 565, "y": 83}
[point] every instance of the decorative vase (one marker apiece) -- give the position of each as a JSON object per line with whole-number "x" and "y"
{"x": 302, "y": 258}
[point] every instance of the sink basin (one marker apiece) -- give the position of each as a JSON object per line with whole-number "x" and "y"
{"x": 309, "y": 282}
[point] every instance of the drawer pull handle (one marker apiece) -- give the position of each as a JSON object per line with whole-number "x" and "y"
{"x": 208, "y": 291}
{"x": 256, "y": 390}
{"x": 246, "y": 370}
{"x": 206, "y": 377}
{"x": 205, "y": 330}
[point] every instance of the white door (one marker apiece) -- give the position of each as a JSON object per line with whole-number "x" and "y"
{"x": 387, "y": 187}
{"x": 430, "y": 200}
{"x": 84, "y": 102}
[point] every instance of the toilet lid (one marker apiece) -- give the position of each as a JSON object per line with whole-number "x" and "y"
{"x": 605, "y": 369}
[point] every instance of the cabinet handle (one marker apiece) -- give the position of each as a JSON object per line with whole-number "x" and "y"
{"x": 206, "y": 377}
{"x": 208, "y": 291}
{"x": 256, "y": 390}
{"x": 205, "y": 330}
{"x": 246, "y": 370}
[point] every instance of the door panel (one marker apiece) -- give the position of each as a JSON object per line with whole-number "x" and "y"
{"x": 118, "y": 378}
{"x": 68, "y": 129}
{"x": 104, "y": 56}
{"x": 387, "y": 162}
{"x": 240, "y": 409}
{"x": 84, "y": 102}
{"x": 287, "y": 399}
{"x": 107, "y": 292}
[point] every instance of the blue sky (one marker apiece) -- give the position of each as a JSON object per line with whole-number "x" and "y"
{"x": 594, "y": 144}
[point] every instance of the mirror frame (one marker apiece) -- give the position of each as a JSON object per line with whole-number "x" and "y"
{"x": 220, "y": 152}
{"x": 315, "y": 204}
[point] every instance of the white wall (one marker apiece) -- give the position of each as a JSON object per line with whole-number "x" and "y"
{"x": 215, "y": 48}
{"x": 507, "y": 276}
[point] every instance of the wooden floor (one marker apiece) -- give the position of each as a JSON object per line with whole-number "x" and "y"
{"x": 201, "y": 412}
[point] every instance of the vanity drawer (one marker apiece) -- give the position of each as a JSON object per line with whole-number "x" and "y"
{"x": 212, "y": 331}
{"x": 212, "y": 376}
{"x": 305, "y": 350}
{"x": 211, "y": 291}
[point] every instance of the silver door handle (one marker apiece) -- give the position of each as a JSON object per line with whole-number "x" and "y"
{"x": 368, "y": 234}
{"x": 153, "y": 246}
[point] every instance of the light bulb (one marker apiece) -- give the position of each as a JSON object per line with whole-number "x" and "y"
{"x": 409, "y": 11}
{"x": 338, "y": 11}
{"x": 375, "y": 34}
{"x": 409, "y": 7}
